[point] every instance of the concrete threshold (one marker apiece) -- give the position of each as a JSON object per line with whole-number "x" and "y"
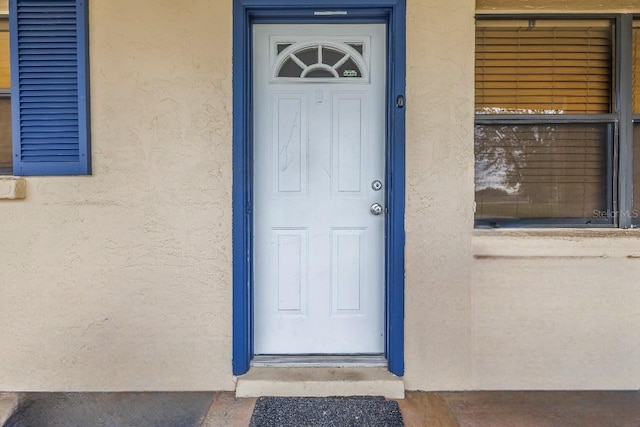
{"x": 320, "y": 382}
{"x": 8, "y": 404}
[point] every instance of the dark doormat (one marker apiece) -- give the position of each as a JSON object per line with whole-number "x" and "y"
{"x": 326, "y": 411}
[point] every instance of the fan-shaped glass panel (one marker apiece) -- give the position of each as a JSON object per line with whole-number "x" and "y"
{"x": 320, "y": 60}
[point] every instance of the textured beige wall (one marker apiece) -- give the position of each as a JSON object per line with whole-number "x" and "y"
{"x": 557, "y": 324}
{"x": 556, "y": 310}
{"x": 121, "y": 280}
{"x": 439, "y": 217}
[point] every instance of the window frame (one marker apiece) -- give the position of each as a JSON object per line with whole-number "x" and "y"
{"x": 619, "y": 178}
{"x": 633, "y": 118}
{"x": 546, "y": 120}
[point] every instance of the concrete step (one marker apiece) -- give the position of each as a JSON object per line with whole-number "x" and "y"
{"x": 320, "y": 382}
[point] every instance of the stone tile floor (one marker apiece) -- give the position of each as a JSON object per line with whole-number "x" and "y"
{"x": 111, "y": 409}
{"x": 522, "y": 409}
{"x": 481, "y": 409}
{"x": 464, "y": 409}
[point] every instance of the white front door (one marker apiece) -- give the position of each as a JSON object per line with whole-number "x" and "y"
{"x": 319, "y": 175}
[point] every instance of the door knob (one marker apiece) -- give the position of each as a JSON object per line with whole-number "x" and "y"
{"x": 376, "y": 209}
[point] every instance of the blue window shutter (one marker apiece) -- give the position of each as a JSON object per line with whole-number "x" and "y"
{"x": 49, "y": 87}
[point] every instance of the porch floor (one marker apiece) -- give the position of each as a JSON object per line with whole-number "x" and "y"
{"x": 464, "y": 409}
{"x": 481, "y": 409}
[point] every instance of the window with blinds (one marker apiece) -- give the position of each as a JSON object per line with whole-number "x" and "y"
{"x": 533, "y": 169}
{"x": 542, "y": 66}
{"x": 5, "y": 96}
{"x": 635, "y": 215}
{"x": 636, "y": 67}
{"x": 635, "y": 84}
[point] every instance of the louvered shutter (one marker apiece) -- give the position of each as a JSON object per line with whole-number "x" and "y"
{"x": 49, "y": 66}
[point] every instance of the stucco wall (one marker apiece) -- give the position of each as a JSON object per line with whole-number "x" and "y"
{"x": 122, "y": 280}
{"x": 439, "y": 216}
{"x": 556, "y": 310}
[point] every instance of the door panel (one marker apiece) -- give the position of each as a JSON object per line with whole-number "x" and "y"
{"x": 289, "y": 151}
{"x": 348, "y": 139}
{"x": 291, "y": 273}
{"x": 347, "y": 265}
{"x": 318, "y": 145}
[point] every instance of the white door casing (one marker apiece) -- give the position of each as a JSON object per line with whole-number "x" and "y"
{"x": 318, "y": 145}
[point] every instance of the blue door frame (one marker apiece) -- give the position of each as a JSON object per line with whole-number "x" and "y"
{"x": 245, "y": 14}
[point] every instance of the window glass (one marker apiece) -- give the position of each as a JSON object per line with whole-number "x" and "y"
{"x": 309, "y": 55}
{"x": 529, "y": 167}
{"x": 319, "y": 61}
{"x": 5, "y": 134}
{"x": 635, "y": 215}
{"x": 290, "y": 69}
{"x": 636, "y": 127}
{"x": 541, "y": 171}
{"x": 540, "y": 66}
{"x": 5, "y": 96}
{"x": 5, "y": 81}
{"x": 636, "y": 67}
{"x": 636, "y": 173}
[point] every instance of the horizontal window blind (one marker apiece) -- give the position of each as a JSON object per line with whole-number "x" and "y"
{"x": 5, "y": 135}
{"x": 543, "y": 66}
{"x": 636, "y": 67}
{"x": 5, "y": 81}
{"x": 635, "y": 215}
{"x": 6, "y": 158}
{"x": 540, "y": 171}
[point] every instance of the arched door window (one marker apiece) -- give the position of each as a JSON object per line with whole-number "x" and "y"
{"x": 320, "y": 60}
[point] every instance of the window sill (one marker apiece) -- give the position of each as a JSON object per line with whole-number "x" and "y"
{"x": 12, "y": 188}
{"x": 556, "y": 243}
